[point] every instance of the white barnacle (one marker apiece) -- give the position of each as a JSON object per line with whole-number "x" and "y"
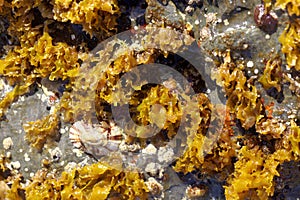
{"x": 97, "y": 139}
{"x": 154, "y": 186}
{"x": 195, "y": 191}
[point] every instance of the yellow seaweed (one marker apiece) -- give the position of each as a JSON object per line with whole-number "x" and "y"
{"x": 290, "y": 40}
{"x": 272, "y": 75}
{"x": 41, "y": 131}
{"x": 94, "y": 181}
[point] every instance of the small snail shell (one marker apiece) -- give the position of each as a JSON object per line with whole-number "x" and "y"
{"x": 266, "y": 21}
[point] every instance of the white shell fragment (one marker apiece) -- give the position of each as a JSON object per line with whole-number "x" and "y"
{"x": 98, "y": 139}
{"x": 7, "y": 143}
{"x": 107, "y": 141}
{"x": 154, "y": 186}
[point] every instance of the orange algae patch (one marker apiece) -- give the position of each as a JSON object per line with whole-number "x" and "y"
{"x": 96, "y": 181}
{"x": 111, "y": 75}
{"x": 193, "y": 158}
{"x": 220, "y": 159}
{"x": 217, "y": 160}
{"x": 169, "y": 117}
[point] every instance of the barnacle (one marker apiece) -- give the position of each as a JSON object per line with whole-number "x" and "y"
{"x": 39, "y": 132}
{"x": 271, "y": 127}
{"x": 272, "y": 75}
{"x": 154, "y": 186}
{"x": 96, "y": 181}
{"x": 290, "y": 40}
{"x": 107, "y": 139}
{"x": 193, "y": 192}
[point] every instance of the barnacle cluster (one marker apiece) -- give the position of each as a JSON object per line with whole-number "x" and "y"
{"x": 172, "y": 114}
